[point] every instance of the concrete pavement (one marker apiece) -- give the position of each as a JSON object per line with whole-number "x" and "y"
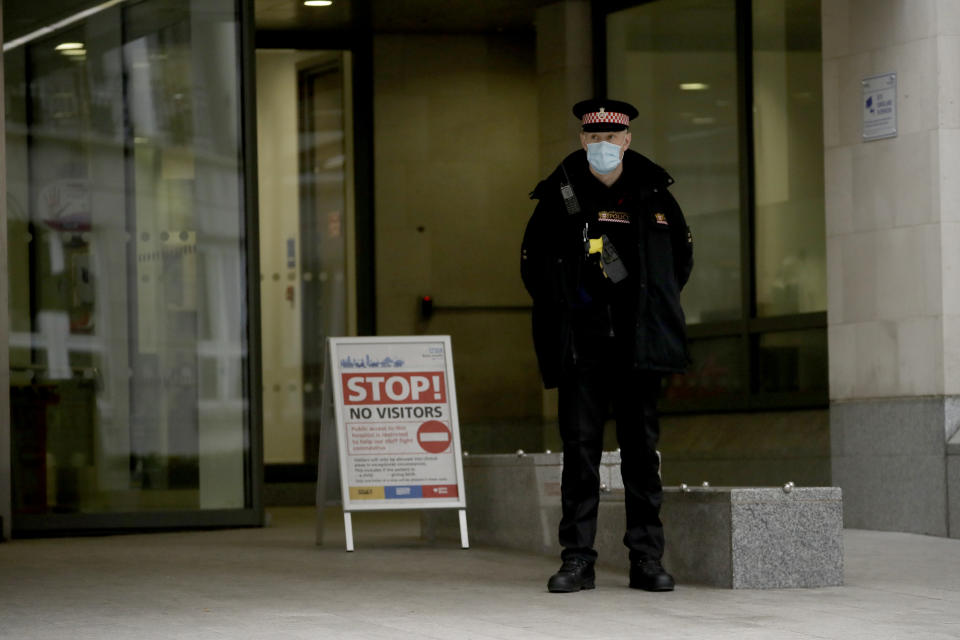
{"x": 274, "y": 583}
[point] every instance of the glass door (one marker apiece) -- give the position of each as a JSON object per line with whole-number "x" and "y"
{"x": 130, "y": 382}
{"x": 323, "y": 218}
{"x": 306, "y": 231}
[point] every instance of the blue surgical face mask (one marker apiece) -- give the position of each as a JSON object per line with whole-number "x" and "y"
{"x": 604, "y": 156}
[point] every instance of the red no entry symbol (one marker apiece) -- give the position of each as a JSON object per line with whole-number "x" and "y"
{"x": 434, "y": 436}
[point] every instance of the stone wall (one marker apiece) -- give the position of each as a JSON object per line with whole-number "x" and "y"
{"x": 893, "y": 252}
{"x": 456, "y": 157}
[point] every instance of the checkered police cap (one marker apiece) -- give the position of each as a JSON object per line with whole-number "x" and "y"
{"x": 604, "y": 115}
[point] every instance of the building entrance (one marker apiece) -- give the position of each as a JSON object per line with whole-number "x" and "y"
{"x": 129, "y": 371}
{"x": 306, "y": 229}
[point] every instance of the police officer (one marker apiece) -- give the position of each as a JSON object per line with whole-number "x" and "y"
{"x": 604, "y": 258}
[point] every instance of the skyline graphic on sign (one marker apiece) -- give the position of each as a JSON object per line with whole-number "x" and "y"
{"x": 366, "y": 362}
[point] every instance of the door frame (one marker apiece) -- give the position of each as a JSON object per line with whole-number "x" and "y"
{"x": 6, "y": 489}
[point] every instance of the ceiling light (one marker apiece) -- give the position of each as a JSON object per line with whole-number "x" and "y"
{"x": 74, "y": 52}
{"x": 694, "y": 86}
{"x": 318, "y": 3}
{"x": 69, "y": 46}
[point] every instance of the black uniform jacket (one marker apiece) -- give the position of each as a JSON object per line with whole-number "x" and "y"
{"x": 555, "y": 267}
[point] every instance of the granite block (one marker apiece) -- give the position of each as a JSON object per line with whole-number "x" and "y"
{"x": 888, "y": 427}
{"x": 605, "y": 476}
{"x": 510, "y": 502}
{"x": 953, "y": 495}
{"x": 697, "y": 526}
{"x": 781, "y": 539}
{"x": 616, "y": 479}
{"x": 610, "y": 457}
{"x": 889, "y": 458}
{"x": 893, "y": 493}
{"x": 915, "y": 492}
{"x": 953, "y": 445}
{"x": 855, "y": 476}
{"x": 503, "y": 502}
{"x": 951, "y": 423}
{"x": 720, "y": 536}
{"x": 755, "y": 538}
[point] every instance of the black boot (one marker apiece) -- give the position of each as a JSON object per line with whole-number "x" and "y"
{"x": 574, "y": 575}
{"x": 650, "y": 575}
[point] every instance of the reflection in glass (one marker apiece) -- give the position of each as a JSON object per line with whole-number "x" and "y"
{"x": 788, "y": 142}
{"x": 324, "y": 204}
{"x": 126, "y": 264}
{"x": 677, "y": 63}
{"x": 716, "y": 370}
{"x": 305, "y": 173}
{"x": 793, "y": 361}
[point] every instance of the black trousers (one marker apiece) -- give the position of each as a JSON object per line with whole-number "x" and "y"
{"x": 603, "y": 379}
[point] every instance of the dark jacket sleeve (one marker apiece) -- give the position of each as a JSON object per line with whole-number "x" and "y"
{"x": 542, "y": 271}
{"x": 533, "y": 271}
{"x": 682, "y": 241}
{"x": 539, "y": 252}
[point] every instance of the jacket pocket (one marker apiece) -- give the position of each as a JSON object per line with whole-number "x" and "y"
{"x": 665, "y": 324}
{"x": 659, "y": 246}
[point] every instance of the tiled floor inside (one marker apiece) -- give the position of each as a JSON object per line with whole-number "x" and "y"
{"x": 275, "y": 583}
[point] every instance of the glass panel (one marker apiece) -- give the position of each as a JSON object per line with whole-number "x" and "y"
{"x": 68, "y": 354}
{"x": 187, "y": 301}
{"x": 788, "y": 142}
{"x": 127, "y": 270}
{"x": 323, "y": 219}
{"x": 677, "y": 63}
{"x": 716, "y": 370}
{"x": 793, "y": 361}
{"x": 304, "y": 176}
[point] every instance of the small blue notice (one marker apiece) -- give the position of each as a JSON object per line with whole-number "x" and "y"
{"x": 403, "y": 492}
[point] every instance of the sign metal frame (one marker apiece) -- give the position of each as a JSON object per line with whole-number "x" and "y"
{"x": 333, "y": 428}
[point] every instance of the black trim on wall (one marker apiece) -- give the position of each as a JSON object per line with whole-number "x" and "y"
{"x": 748, "y": 308}
{"x": 792, "y": 401}
{"x": 290, "y": 472}
{"x": 796, "y": 322}
{"x": 362, "y": 48}
{"x": 75, "y": 524}
{"x": 253, "y": 380}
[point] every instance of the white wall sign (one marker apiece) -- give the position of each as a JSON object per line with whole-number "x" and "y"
{"x": 392, "y": 403}
{"x": 880, "y": 106}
